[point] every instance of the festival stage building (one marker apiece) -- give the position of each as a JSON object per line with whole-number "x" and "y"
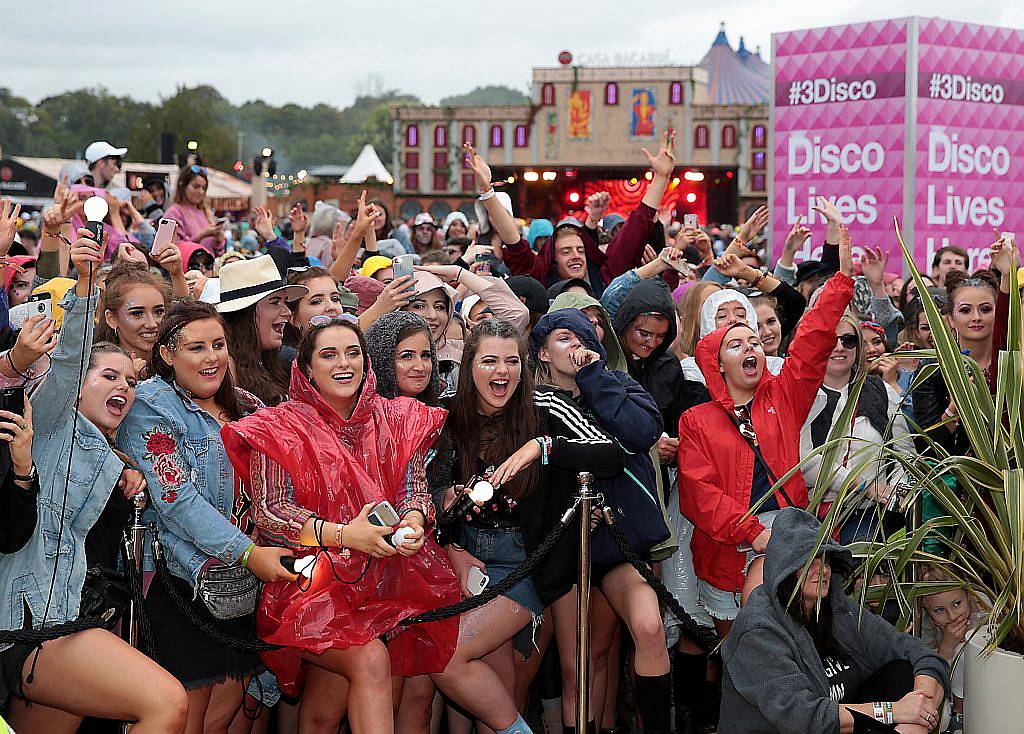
{"x": 583, "y": 133}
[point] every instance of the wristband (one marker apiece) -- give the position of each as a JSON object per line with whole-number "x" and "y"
{"x": 244, "y": 560}
{"x": 29, "y": 478}
{"x": 545, "y": 448}
{"x": 339, "y": 539}
{"x": 489, "y": 194}
{"x": 945, "y": 414}
{"x": 10, "y": 361}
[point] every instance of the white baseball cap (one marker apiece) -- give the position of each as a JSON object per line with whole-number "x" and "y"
{"x": 101, "y": 149}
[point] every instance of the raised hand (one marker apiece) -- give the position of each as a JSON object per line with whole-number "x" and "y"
{"x": 731, "y": 265}
{"x": 754, "y": 226}
{"x": 833, "y": 218}
{"x": 797, "y": 236}
{"x": 873, "y": 265}
{"x": 845, "y": 251}
{"x": 479, "y": 166}
{"x": 297, "y": 216}
{"x": 597, "y": 205}
{"x": 665, "y": 162}
{"x": 8, "y": 224}
{"x": 263, "y": 222}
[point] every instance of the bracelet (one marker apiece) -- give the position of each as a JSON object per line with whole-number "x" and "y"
{"x": 757, "y": 281}
{"x": 244, "y": 559}
{"x": 889, "y": 718}
{"x": 545, "y": 448}
{"x": 339, "y": 539}
{"x": 10, "y": 361}
{"x": 489, "y": 194}
{"x": 945, "y": 414}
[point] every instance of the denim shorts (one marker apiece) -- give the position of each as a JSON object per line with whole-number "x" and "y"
{"x": 502, "y": 551}
{"x": 722, "y": 604}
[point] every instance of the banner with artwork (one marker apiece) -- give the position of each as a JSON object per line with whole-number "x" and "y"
{"x": 644, "y": 107}
{"x": 579, "y": 115}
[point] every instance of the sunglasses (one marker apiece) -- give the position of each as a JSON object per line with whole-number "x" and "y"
{"x": 849, "y": 341}
{"x": 322, "y": 320}
{"x": 198, "y": 169}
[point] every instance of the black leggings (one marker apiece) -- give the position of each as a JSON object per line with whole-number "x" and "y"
{"x": 891, "y": 682}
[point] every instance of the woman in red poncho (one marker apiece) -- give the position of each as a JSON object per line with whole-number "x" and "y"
{"x": 316, "y": 465}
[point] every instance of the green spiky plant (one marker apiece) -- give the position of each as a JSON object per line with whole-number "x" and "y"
{"x": 978, "y": 536}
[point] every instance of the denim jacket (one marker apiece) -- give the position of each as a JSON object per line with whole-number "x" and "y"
{"x": 95, "y": 469}
{"x": 177, "y": 445}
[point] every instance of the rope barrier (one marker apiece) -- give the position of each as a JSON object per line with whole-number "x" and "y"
{"x": 703, "y": 637}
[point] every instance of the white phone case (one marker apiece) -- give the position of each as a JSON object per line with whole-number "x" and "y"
{"x": 477, "y": 581}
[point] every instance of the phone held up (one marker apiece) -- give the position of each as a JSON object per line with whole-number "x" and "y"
{"x": 38, "y": 304}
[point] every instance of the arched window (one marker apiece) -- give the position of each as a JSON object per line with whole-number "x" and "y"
{"x": 700, "y": 136}
{"x": 469, "y": 134}
{"x": 412, "y": 136}
{"x": 675, "y": 93}
{"x": 497, "y": 136}
{"x": 729, "y": 136}
{"x": 547, "y": 95}
{"x": 759, "y": 136}
{"x": 758, "y": 160}
{"x": 441, "y": 136}
{"x": 611, "y": 93}
{"x": 522, "y": 136}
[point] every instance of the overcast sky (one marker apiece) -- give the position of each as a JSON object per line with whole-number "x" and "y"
{"x": 308, "y": 51}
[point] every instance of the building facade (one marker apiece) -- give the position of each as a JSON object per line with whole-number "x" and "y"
{"x": 583, "y": 132}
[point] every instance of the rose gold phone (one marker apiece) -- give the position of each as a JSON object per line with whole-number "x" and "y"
{"x": 164, "y": 236}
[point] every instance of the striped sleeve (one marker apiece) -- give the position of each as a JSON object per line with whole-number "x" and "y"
{"x": 279, "y": 519}
{"x": 578, "y": 443}
{"x": 414, "y": 494}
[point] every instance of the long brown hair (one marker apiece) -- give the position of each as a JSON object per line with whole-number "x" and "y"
{"x": 185, "y": 176}
{"x": 688, "y": 310}
{"x": 518, "y": 419}
{"x": 123, "y": 276}
{"x": 258, "y": 371}
{"x": 182, "y": 314}
{"x": 292, "y": 334}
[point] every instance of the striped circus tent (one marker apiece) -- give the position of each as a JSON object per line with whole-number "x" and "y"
{"x": 735, "y": 77}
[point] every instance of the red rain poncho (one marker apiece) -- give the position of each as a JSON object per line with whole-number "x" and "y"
{"x": 336, "y": 466}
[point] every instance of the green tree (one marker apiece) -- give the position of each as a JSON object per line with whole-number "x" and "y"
{"x": 16, "y": 117}
{"x": 494, "y": 94}
{"x": 68, "y": 122}
{"x": 192, "y": 113}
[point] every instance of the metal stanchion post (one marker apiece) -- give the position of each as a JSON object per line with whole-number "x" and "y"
{"x": 134, "y": 544}
{"x": 586, "y": 500}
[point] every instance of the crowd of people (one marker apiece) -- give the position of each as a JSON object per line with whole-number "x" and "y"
{"x": 304, "y": 403}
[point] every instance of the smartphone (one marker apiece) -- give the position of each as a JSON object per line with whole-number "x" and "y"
{"x": 12, "y": 399}
{"x": 690, "y": 221}
{"x": 402, "y": 267}
{"x": 679, "y": 264}
{"x": 36, "y": 305}
{"x": 477, "y": 581}
{"x": 1008, "y": 237}
{"x": 164, "y": 235}
{"x": 383, "y": 515}
{"x": 486, "y": 260}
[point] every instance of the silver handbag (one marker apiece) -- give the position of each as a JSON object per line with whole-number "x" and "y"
{"x": 229, "y": 592}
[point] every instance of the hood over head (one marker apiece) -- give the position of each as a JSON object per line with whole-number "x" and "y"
{"x": 616, "y": 357}
{"x": 794, "y": 537}
{"x": 566, "y": 318}
{"x": 554, "y": 291}
{"x": 188, "y": 249}
{"x": 529, "y": 290}
{"x": 706, "y": 356}
{"x": 648, "y": 296}
{"x": 716, "y": 299}
{"x": 303, "y": 391}
{"x": 382, "y": 344}
{"x": 539, "y": 228}
{"x": 367, "y": 290}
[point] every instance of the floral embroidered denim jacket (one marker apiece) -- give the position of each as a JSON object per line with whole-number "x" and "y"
{"x": 177, "y": 445}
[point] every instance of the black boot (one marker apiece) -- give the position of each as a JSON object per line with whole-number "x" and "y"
{"x": 654, "y": 702}
{"x": 689, "y": 688}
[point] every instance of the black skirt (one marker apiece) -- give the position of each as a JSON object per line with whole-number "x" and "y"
{"x": 185, "y": 651}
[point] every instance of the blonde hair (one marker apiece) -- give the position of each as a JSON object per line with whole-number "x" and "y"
{"x": 688, "y": 309}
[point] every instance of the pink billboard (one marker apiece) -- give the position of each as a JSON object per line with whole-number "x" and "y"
{"x": 969, "y": 167}
{"x": 920, "y": 119}
{"x": 839, "y": 122}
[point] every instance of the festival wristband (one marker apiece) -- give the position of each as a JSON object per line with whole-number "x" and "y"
{"x": 244, "y": 560}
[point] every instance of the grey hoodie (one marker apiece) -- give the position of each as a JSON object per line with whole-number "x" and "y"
{"x": 774, "y": 681}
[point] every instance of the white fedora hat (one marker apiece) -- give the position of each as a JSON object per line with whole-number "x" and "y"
{"x": 246, "y": 282}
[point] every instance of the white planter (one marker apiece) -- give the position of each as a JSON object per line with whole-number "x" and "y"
{"x": 993, "y": 689}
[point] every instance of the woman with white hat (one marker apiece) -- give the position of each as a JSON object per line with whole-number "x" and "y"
{"x": 254, "y": 301}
